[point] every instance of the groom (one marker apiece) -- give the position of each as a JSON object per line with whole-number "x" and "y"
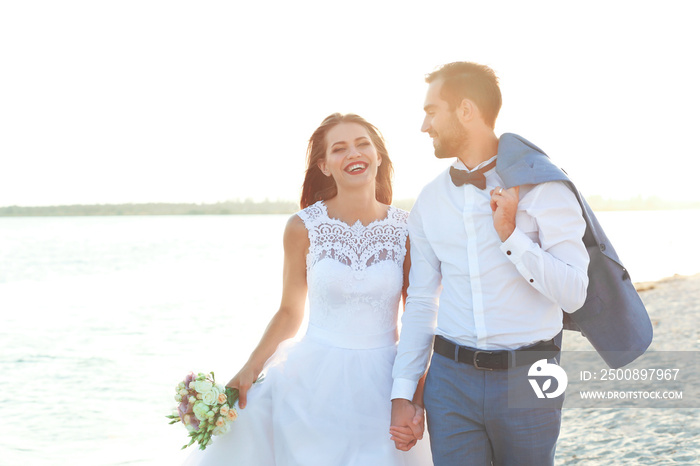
{"x": 491, "y": 271}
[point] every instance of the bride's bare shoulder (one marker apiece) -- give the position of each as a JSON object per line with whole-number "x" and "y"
{"x": 295, "y": 231}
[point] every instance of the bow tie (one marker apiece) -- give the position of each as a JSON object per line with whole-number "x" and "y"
{"x": 477, "y": 178}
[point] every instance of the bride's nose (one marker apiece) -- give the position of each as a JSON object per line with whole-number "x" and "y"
{"x": 353, "y": 153}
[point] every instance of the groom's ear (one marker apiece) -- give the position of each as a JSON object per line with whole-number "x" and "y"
{"x": 467, "y": 111}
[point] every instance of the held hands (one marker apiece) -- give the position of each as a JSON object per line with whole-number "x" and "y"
{"x": 243, "y": 381}
{"x": 504, "y": 205}
{"x": 407, "y": 423}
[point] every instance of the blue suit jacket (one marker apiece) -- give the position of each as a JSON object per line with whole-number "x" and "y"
{"x": 613, "y": 318}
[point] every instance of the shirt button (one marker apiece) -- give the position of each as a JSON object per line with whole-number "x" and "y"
{"x": 508, "y": 252}
{"x": 532, "y": 280}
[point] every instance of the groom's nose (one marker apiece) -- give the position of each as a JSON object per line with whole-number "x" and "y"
{"x": 425, "y": 127}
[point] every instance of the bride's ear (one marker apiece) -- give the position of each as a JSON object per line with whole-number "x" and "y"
{"x": 323, "y": 167}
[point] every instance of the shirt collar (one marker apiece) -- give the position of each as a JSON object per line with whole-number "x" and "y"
{"x": 460, "y": 165}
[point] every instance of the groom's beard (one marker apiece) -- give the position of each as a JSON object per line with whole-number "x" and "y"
{"x": 452, "y": 141}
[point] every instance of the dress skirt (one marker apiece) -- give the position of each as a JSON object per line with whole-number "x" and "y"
{"x": 325, "y": 400}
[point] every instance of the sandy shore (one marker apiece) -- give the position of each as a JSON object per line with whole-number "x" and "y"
{"x": 642, "y": 435}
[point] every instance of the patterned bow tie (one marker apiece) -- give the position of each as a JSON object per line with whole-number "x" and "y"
{"x": 477, "y": 178}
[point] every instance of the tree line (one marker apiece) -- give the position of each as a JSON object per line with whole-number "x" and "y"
{"x": 249, "y": 207}
{"x": 219, "y": 208}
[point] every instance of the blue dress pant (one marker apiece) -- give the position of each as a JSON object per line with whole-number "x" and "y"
{"x": 470, "y": 422}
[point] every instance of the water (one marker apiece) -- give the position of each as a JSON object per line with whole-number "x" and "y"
{"x": 654, "y": 244}
{"x": 102, "y": 316}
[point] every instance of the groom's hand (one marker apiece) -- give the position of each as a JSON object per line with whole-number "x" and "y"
{"x": 407, "y": 421}
{"x": 504, "y": 204}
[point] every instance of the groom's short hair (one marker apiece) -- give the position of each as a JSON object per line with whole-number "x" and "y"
{"x": 466, "y": 80}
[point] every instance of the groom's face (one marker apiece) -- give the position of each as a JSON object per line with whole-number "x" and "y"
{"x": 450, "y": 137}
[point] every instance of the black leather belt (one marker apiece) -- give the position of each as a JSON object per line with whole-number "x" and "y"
{"x": 490, "y": 360}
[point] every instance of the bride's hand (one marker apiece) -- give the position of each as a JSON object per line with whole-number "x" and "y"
{"x": 403, "y": 437}
{"x": 243, "y": 381}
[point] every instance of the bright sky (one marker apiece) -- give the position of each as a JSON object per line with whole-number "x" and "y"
{"x": 172, "y": 101}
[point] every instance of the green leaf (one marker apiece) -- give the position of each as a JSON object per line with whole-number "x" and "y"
{"x": 231, "y": 396}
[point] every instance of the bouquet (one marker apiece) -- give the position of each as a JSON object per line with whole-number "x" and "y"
{"x": 205, "y": 408}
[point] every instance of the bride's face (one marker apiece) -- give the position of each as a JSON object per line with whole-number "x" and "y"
{"x": 351, "y": 157}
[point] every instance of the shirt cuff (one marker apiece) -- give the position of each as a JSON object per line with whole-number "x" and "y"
{"x": 403, "y": 388}
{"x": 516, "y": 245}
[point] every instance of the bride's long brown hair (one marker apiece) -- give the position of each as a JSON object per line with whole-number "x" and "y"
{"x": 318, "y": 186}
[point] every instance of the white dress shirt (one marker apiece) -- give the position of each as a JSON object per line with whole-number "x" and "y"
{"x": 468, "y": 286}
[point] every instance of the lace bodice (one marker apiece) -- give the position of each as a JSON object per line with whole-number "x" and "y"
{"x": 354, "y": 273}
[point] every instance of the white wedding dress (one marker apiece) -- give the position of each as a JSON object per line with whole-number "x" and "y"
{"x": 325, "y": 399}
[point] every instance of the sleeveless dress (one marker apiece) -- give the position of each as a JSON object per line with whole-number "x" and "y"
{"x": 325, "y": 399}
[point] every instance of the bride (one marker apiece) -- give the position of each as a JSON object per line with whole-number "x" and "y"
{"x": 325, "y": 400}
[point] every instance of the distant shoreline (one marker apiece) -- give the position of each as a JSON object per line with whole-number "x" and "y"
{"x": 219, "y": 208}
{"x": 597, "y": 203}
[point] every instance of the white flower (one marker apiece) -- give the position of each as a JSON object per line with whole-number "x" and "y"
{"x": 221, "y": 430}
{"x": 211, "y": 397}
{"x": 178, "y": 398}
{"x": 202, "y": 386}
{"x": 192, "y": 399}
{"x": 200, "y": 410}
{"x": 183, "y": 392}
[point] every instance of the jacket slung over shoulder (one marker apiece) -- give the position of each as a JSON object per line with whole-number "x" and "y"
{"x": 613, "y": 317}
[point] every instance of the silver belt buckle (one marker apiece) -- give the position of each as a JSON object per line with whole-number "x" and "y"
{"x": 476, "y": 364}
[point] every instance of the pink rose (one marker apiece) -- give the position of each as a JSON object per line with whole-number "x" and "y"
{"x": 194, "y": 422}
{"x": 183, "y": 408}
{"x": 221, "y": 398}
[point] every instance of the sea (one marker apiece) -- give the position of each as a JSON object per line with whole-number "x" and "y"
{"x": 103, "y": 316}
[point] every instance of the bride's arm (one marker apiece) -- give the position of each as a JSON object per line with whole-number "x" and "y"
{"x": 406, "y": 270}
{"x": 286, "y": 322}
